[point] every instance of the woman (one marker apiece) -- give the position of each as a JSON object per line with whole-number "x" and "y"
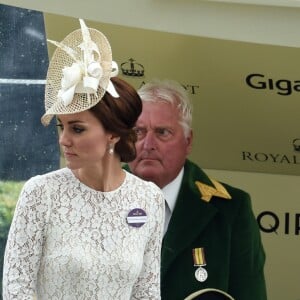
{"x": 90, "y": 230}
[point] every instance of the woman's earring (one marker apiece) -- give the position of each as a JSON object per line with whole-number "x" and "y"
{"x": 111, "y": 149}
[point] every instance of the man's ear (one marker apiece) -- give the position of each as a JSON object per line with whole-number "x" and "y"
{"x": 189, "y": 140}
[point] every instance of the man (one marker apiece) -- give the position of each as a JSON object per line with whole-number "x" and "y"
{"x": 212, "y": 239}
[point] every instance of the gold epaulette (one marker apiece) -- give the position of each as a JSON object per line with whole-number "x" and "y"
{"x": 208, "y": 191}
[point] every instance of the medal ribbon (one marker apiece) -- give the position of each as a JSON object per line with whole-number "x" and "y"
{"x": 199, "y": 257}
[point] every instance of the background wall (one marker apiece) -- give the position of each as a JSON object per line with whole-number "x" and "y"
{"x": 246, "y": 130}
{"x": 263, "y": 21}
{"x": 27, "y": 148}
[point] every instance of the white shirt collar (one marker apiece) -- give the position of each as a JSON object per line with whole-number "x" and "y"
{"x": 171, "y": 190}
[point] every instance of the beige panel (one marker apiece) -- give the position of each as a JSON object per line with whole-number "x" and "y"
{"x": 236, "y": 127}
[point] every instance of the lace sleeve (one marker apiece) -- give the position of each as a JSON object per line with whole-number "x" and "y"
{"x": 148, "y": 283}
{"x": 24, "y": 243}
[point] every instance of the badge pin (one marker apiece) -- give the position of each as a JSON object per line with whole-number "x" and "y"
{"x": 137, "y": 217}
{"x": 199, "y": 261}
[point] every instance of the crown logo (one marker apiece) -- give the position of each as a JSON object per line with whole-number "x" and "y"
{"x": 296, "y": 144}
{"x": 132, "y": 68}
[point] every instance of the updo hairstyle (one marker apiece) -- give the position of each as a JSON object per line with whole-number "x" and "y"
{"x": 119, "y": 115}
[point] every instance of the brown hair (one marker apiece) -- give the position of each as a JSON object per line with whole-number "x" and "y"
{"x": 119, "y": 115}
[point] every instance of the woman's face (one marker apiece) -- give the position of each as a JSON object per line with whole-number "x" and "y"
{"x": 83, "y": 140}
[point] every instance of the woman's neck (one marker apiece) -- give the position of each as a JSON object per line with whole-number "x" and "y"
{"x": 102, "y": 178}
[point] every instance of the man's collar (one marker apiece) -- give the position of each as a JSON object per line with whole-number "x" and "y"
{"x": 171, "y": 190}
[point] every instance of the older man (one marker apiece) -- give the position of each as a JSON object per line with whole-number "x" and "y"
{"x": 212, "y": 239}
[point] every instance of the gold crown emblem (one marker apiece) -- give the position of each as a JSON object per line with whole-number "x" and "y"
{"x": 132, "y": 68}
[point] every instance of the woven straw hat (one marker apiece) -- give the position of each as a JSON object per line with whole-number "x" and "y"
{"x": 79, "y": 73}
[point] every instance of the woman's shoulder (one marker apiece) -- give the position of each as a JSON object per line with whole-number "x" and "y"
{"x": 47, "y": 179}
{"x": 141, "y": 183}
{"x": 145, "y": 190}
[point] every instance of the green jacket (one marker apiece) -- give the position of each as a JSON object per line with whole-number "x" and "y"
{"x": 227, "y": 231}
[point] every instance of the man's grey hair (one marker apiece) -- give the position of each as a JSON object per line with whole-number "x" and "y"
{"x": 169, "y": 91}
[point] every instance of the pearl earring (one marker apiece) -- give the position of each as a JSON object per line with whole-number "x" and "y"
{"x": 111, "y": 149}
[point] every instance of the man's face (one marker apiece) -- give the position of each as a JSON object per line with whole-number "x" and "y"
{"x": 162, "y": 146}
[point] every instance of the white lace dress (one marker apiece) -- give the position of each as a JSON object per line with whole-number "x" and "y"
{"x": 68, "y": 241}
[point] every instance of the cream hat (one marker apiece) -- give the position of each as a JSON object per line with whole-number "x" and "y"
{"x": 79, "y": 73}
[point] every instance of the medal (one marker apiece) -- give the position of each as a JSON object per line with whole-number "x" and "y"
{"x": 199, "y": 261}
{"x": 201, "y": 274}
